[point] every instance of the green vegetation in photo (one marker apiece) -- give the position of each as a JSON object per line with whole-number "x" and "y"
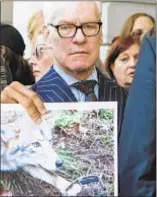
{"x": 106, "y": 114}
{"x": 68, "y": 118}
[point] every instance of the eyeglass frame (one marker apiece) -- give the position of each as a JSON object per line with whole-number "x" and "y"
{"x": 35, "y": 53}
{"x": 77, "y": 27}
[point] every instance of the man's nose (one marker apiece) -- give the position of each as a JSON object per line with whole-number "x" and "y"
{"x": 79, "y": 36}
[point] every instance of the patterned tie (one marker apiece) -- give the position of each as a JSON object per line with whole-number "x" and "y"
{"x": 87, "y": 87}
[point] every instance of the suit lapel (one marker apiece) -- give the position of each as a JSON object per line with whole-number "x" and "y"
{"x": 109, "y": 90}
{"x": 52, "y": 88}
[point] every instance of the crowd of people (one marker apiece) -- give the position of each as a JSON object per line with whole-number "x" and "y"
{"x": 66, "y": 57}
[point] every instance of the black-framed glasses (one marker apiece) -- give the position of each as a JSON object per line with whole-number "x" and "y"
{"x": 69, "y": 30}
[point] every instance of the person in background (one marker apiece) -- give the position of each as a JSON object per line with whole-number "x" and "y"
{"x": 35, "y": 27}
{"x": 122, "y": 59}
{"x": 137, "y": 25}
{"x": 12, "y": 49}
{"x": 5, "y": 73}
{"x": 137, "y": 144}
{"x": 41, "y": 59}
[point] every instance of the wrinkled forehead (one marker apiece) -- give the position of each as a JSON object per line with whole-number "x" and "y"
{"x": 71, "y": 11}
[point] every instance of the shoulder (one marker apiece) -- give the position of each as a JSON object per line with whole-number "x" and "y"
{"x": 110, "y": 89}
{"x": 149, "y": 43}
{"x": 46, "y": 80}
{"x": 107, "y": 80}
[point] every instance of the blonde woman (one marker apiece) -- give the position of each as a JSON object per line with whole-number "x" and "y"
{"x": 137, "y": 25}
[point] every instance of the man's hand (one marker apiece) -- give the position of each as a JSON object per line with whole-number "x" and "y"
{"x": 18, "y": 93}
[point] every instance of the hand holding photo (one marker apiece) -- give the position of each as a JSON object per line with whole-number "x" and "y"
{"x": 74, "y": 149}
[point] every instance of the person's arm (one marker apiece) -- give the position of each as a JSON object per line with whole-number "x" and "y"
{"x": 18, "y": 93}
{"x": 137, "y": 151}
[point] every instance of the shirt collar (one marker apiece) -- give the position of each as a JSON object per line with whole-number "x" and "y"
{"x": 70, "y": 79}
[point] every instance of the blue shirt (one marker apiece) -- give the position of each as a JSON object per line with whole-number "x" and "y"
{"x": 70, "y": 80}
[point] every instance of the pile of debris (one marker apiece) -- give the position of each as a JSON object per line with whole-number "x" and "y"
{"x": 86, "y": 145}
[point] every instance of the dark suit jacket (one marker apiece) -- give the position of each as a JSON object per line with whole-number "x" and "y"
{"x": 52, "y": 88}
{"x": 137, "y": 152}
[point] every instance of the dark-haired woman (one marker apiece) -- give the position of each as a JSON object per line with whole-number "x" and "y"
{"x": 122, "y": 59}
{"x": 12, "y": 50}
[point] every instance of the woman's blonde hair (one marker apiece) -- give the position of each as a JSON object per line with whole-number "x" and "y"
{"x": 35, "y": 25}
{"x": 129, "y": 23}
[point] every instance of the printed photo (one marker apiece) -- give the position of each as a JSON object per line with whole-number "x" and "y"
{"x": 73, "y": 152}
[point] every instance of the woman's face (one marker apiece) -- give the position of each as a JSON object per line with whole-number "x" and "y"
{"x": 141, "y": 26}
{"x": 42, "y": 58}
{"x": 124, "y": 66}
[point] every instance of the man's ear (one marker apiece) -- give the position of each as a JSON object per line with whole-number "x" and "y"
{"x": 3, "y": 50}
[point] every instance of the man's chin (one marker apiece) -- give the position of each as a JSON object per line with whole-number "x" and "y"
{"x": 80, "y": 72}
{"x": 81, "y": 68}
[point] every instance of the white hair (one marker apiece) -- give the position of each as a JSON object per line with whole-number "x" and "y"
{"x": 51, "y": 8}
{"x": 99, "y": 6}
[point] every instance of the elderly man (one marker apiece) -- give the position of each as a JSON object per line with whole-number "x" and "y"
{"x": 76, "y": 34}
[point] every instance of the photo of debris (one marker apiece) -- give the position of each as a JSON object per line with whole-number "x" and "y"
{"x": 73, "y": 152}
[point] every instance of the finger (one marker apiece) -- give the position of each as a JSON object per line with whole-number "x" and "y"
{"x": 30, "y": 94}
{"x": 6, "y": 99}
{"x": 26, "y": 102}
